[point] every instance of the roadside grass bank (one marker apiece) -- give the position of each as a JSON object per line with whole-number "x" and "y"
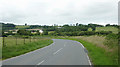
{"x": 15, "y": 50}
{"x": 99, "y": 53}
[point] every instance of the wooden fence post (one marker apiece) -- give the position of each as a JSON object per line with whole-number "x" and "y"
{"x": 24, "y": 40}
{"x": 30, "y": 38}
{"x": 3, "y": 41}
{"x": 16, "y": 40}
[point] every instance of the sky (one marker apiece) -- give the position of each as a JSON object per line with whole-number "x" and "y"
{"x": 49, "y": 12}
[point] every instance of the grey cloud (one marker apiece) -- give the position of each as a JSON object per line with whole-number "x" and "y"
{"x": 48, "y": 13}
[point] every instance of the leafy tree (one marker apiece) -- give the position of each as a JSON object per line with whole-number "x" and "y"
{"x": 77, "y": 24}
{"x": 107, "y": 25}
{"x": 25, "y": 24}
{"x": 23, "y": 32}
{"x": 111, "y": 40}
{"x": 45, "y": 33}
{"x": 38, "y": 33}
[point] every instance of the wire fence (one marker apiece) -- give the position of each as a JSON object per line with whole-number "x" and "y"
{"x": 10, "y": 41}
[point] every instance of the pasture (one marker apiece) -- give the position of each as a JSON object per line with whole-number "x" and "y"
{"x": 113, "y": 29}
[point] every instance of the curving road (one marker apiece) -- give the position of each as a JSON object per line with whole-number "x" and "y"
{"x": 61, "y": 52}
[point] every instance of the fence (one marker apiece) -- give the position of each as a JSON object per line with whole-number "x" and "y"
{"x": 10, "y": 41}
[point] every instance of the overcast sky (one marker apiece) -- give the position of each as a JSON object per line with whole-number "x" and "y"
{"x": 49, "y": 12}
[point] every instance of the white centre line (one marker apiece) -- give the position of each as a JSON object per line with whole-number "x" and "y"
{"x": 57, "y": 51}
{"x": 40, "y": 62}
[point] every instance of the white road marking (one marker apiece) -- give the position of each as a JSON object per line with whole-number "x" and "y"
{"x": 89, "y": 60}
{"x": 40, "y": 62}
{"x": 57, "y": 51}
{"x": 81, "y": 44}
{"x": 86, "y": 54}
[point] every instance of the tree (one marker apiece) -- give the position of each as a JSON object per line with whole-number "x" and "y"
{"x": 9, "y": 33}
{"x": 66, "y": 25}
{"x": 38, "y": 33}
{"x": 45, "y": 33}
{"x": 107, "y": 25}
{"x": 24, "y": 32}
{"x": 25, "y": 24}
{"x": 77, "y": 24}
{"x": 7, "y": 26}
{"x": 93, "y": 28}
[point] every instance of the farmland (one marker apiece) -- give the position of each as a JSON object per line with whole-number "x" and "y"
{"x": 11, "y": 49}
{"x": 22, "y": 26}
{"x": 113, "y": 29}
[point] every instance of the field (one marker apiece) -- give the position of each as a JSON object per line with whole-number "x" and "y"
{"x": 10, "y": 41}
{"x": 21, "y": 26}
{"x": 113, "y": 29}
{"x": 11, "y": 49}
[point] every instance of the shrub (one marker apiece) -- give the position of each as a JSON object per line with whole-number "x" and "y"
{"x": 111, "y": 40}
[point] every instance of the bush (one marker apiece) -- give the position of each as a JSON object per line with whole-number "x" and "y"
{"x": 45, "y": 33}
{"x": 103, "y": 32}
{"x": 111, "y": 40}
{"x": 80, "y": 33}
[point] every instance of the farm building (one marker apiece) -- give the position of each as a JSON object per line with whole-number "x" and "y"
{"x": 32, "y": 30}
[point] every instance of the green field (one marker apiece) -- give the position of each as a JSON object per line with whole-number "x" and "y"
{"x": 10, "y": 41}
{"x": 113, "y": 29}
{"x": 12, "y": 50}
{"x": 21, "y": 26}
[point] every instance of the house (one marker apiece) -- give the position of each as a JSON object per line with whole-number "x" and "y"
{"x": 13, "y": 31}
{"x": 34, "y": 30}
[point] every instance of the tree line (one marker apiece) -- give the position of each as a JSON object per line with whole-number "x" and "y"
{"x": 65, "y": 30}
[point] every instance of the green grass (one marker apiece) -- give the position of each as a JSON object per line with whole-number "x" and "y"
{"x": 97, "y": 55}
{"x": 113, "y": 29}
{"x": 15, "y": 50}
{"x": 22, "y": 26}
{"x": 11, "y": 41}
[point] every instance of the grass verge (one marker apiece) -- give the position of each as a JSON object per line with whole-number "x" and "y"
{"x": 97, "y": 55}
{"x": 12, "y": 51}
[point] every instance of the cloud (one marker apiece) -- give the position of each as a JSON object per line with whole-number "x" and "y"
{"x": 58, "y": 11}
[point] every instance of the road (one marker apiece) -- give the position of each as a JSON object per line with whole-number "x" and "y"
{"x": 60, "y": 52}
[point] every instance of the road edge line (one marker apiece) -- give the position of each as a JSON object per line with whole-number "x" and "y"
{"x": 86, "y": 54}
{"x": 28, "y": 53}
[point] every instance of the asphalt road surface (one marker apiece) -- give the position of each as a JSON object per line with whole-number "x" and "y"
{"x": 60, "y": 52}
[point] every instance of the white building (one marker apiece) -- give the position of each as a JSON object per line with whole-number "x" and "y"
{"x": 32, "y": 30}
{"x": 40, "y": 30}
